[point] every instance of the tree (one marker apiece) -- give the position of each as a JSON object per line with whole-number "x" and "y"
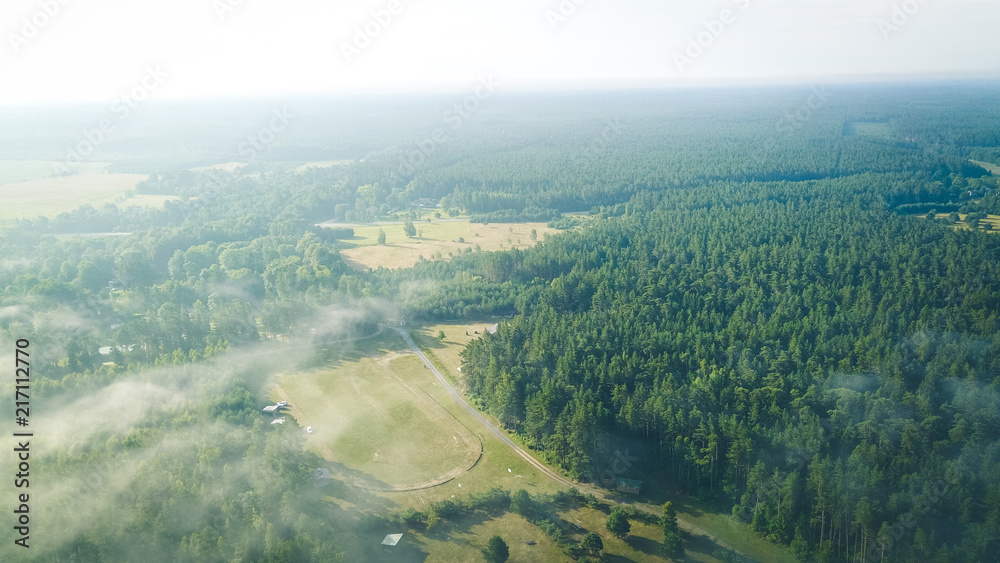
{"x": 409, "y": 229}
{"x": 618, "y": 524}
{"x": 669, "y": 521}
{"x": 592, "y": 543}
{"x": 521, "y": 503}
{"x": 534, "y": 234}
{"x": 381, "y": 237}
{"x": 440, "y": 335}
{"x": 672, "y": 544}
{"x": 496, "y": 550}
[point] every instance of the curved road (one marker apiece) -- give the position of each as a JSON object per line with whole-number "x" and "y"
{"x": 527, "y": 456}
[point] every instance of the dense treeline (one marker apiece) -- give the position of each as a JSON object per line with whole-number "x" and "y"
{"x": 798, "y": 352}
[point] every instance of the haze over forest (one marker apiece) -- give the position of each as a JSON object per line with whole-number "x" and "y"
{"x": 565, "y": 281}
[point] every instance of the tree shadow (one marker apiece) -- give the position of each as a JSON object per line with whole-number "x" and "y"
{"x": 444, "y": 528}
{"x": 698, "y": 544}
{"x": 643, "y": 545}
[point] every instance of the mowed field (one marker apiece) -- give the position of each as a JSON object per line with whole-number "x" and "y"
{"x": 47, "y": 196}
{"x": 436, "y": 240}
{"x": 372, "y": 415}
{"x": 993, "y": 220}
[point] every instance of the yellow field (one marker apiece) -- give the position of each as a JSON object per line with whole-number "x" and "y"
{"x": 437, "y": 240}
{"x": 25, "y": 170}
{"x": 48, "y": 197}
{"x": 993, "y": 220}
{"x": 446, "y": 354}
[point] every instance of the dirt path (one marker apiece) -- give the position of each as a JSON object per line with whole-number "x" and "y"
{"x": 688, "y": 526}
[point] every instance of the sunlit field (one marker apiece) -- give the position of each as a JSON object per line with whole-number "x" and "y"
{"x": 50, "y": 196}
{"x": 436, "y": 240}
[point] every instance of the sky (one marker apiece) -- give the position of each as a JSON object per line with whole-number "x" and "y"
{"x": 64, "y": 51}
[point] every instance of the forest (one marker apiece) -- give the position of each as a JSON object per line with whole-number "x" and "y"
{"x": 790, "y": 323}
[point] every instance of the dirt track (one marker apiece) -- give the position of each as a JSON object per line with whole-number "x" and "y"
{"x": 689, "y": 527}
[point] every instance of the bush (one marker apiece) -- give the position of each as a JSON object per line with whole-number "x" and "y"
{"x": 618, "y": 524}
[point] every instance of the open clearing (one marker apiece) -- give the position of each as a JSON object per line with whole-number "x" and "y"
{"x": 993, "y": 168}
{"x": 436, "y": 240}
{"x": 48, "y": 197}
{"x": 993, "y": 220}
{"x": 873, "y": 129}
{"x": 372, "y": 416}
{"x": 376, "y": 396}
{"x": 25, "y": 170}
{"x": 322, "y": 164}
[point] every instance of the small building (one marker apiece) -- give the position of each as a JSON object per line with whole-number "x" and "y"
{"x": 271, "y": 410}
{"x": 321, "y": 477}
{"x": 390, "y": 542}
{"x": 492, "y": 329}
{"x": 630, "y": 486}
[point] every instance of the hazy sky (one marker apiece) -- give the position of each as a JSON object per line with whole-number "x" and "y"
{"x": 97, "y": 50}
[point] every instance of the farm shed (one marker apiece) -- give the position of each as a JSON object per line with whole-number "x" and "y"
{"x": 630, "y": 486}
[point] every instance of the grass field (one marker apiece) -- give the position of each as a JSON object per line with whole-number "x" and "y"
{"x": 26, "y": 170}
{"x": 993, "y": 220}
{"x": 48, "y": 197}
{"x": 462, "y": 541}
{"x": 435, "y": 241}
{"x": 372, "y": 416}
{"x": 993, "y": 168}
{"x": 375, "y": 396}
{"x": 446, "y": 354}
